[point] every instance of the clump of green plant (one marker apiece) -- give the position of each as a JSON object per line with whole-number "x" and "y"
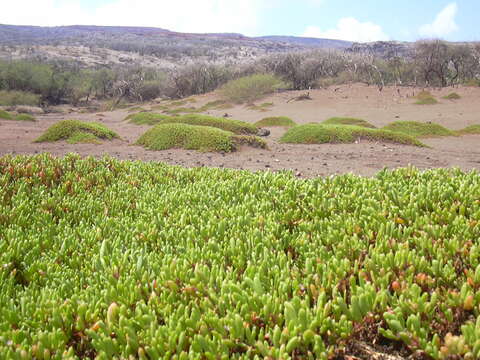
{"x": 472, "y": 129}
{"x": 191, "y": 137}
{"x": 147, "y": 118}
{"x": 452, "y": 96}
{"x": 275, "y": 121}
{"x": 216, "y": 105}
{"x": 75, "y": 131}
{"x": 348, "y": 121}
{"x": 82, "y": 137}
{"x": 5, "y": 115}
{"x": 322, "y": 134}
{"x": 181, "y": 110}
{"x": 234, "y": 126}
{"x": 24, "y": 117}
{"x": 425, "y": 98}
{"x": 262, "y": 107}
{"x": 136, "y": 109}
{"x": 250, "y": 140}
{"x": 250, "y": 88}
{"x": 12, "y": 98}
{"x": 419, "y": 129}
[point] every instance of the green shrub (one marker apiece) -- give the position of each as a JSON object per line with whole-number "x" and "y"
{"x": 191, "y": 137}
{"x": 348, "y": 121}
{"x": 194, "y": 137}
{"x": 216, "y": 104}
{"x": 147, "y": 118}
{"x": 250, "y": 88}
{"x": 275, "y": 121}
{"x": 12, "y": 98}
{"x": 81, "y": 137}
{"x": 24, "y": 117}
{"x": 452, "y": 96}
{"x": 419, "y": 129}
{"x": 6, "y": 115}
{"x": 425, "y": 98}
{"x": 262, "y": 107}
{"x": 322, "y": 134}
{"x": 75, "y": 131}
{"x": 472, "y": 129}
{"x": 235, "y": 126}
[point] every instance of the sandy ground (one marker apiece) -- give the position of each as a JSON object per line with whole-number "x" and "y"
{"x": 364, "y": 158}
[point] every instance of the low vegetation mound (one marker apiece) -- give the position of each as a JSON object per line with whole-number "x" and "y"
{"x": 5, "y": 115}
{"x": 452, "y": 96}
{"x": 75, "y": 131}
{"x": 250, "y": 88}
{"x": 275, "y": 121}
{"x": 348, "y": 121}
{"x": 193, "y": 137}
{"x": 207, "y": 263}
{"x": 323, "y": 134}
{"x": 419, "y": 129}
{"x": 472, "y": 129}
{"x": 264, "y": 107}
{"x": 425, "y": 98}
{"x": 234, "y": 126}
{"x": 147, "y": 118}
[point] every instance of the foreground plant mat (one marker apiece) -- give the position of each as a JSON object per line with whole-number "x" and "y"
{"x": 108, "y": 259}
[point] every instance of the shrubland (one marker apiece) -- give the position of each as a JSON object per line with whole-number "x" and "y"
{"x": 117, "y": 259}
{"x": 432, "y": 63}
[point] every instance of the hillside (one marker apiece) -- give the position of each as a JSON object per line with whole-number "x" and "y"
{"x": 110, "y": 45}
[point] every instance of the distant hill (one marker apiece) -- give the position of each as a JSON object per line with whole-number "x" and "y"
{"x": 36, "y": 35}
{"x": 109, "y": 45}
{"x": 306, "y": 41}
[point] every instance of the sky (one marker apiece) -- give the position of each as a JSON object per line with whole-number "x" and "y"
{"x": 353, "y": 20}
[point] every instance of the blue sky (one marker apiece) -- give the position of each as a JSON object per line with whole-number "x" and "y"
{"x": 355, "y": 20}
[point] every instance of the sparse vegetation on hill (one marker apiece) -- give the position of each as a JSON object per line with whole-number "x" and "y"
{"x": 419, "y": 129}
{"x": 194, "y": 137}
{"x": 250, "y": 88}
{"x": 77, "y": 131}
{"x": 348, "y": 121}
{"x": 322, "y": 134}
{"x": 5, "y": 115}
{"x": 234, "y": 126}
{"x": 275, "y": 121}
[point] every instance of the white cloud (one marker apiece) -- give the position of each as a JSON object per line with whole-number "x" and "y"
{"x": 176, "y": 15}
{"x": 444, "y": 23}
{"x": 349, "y": 29}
